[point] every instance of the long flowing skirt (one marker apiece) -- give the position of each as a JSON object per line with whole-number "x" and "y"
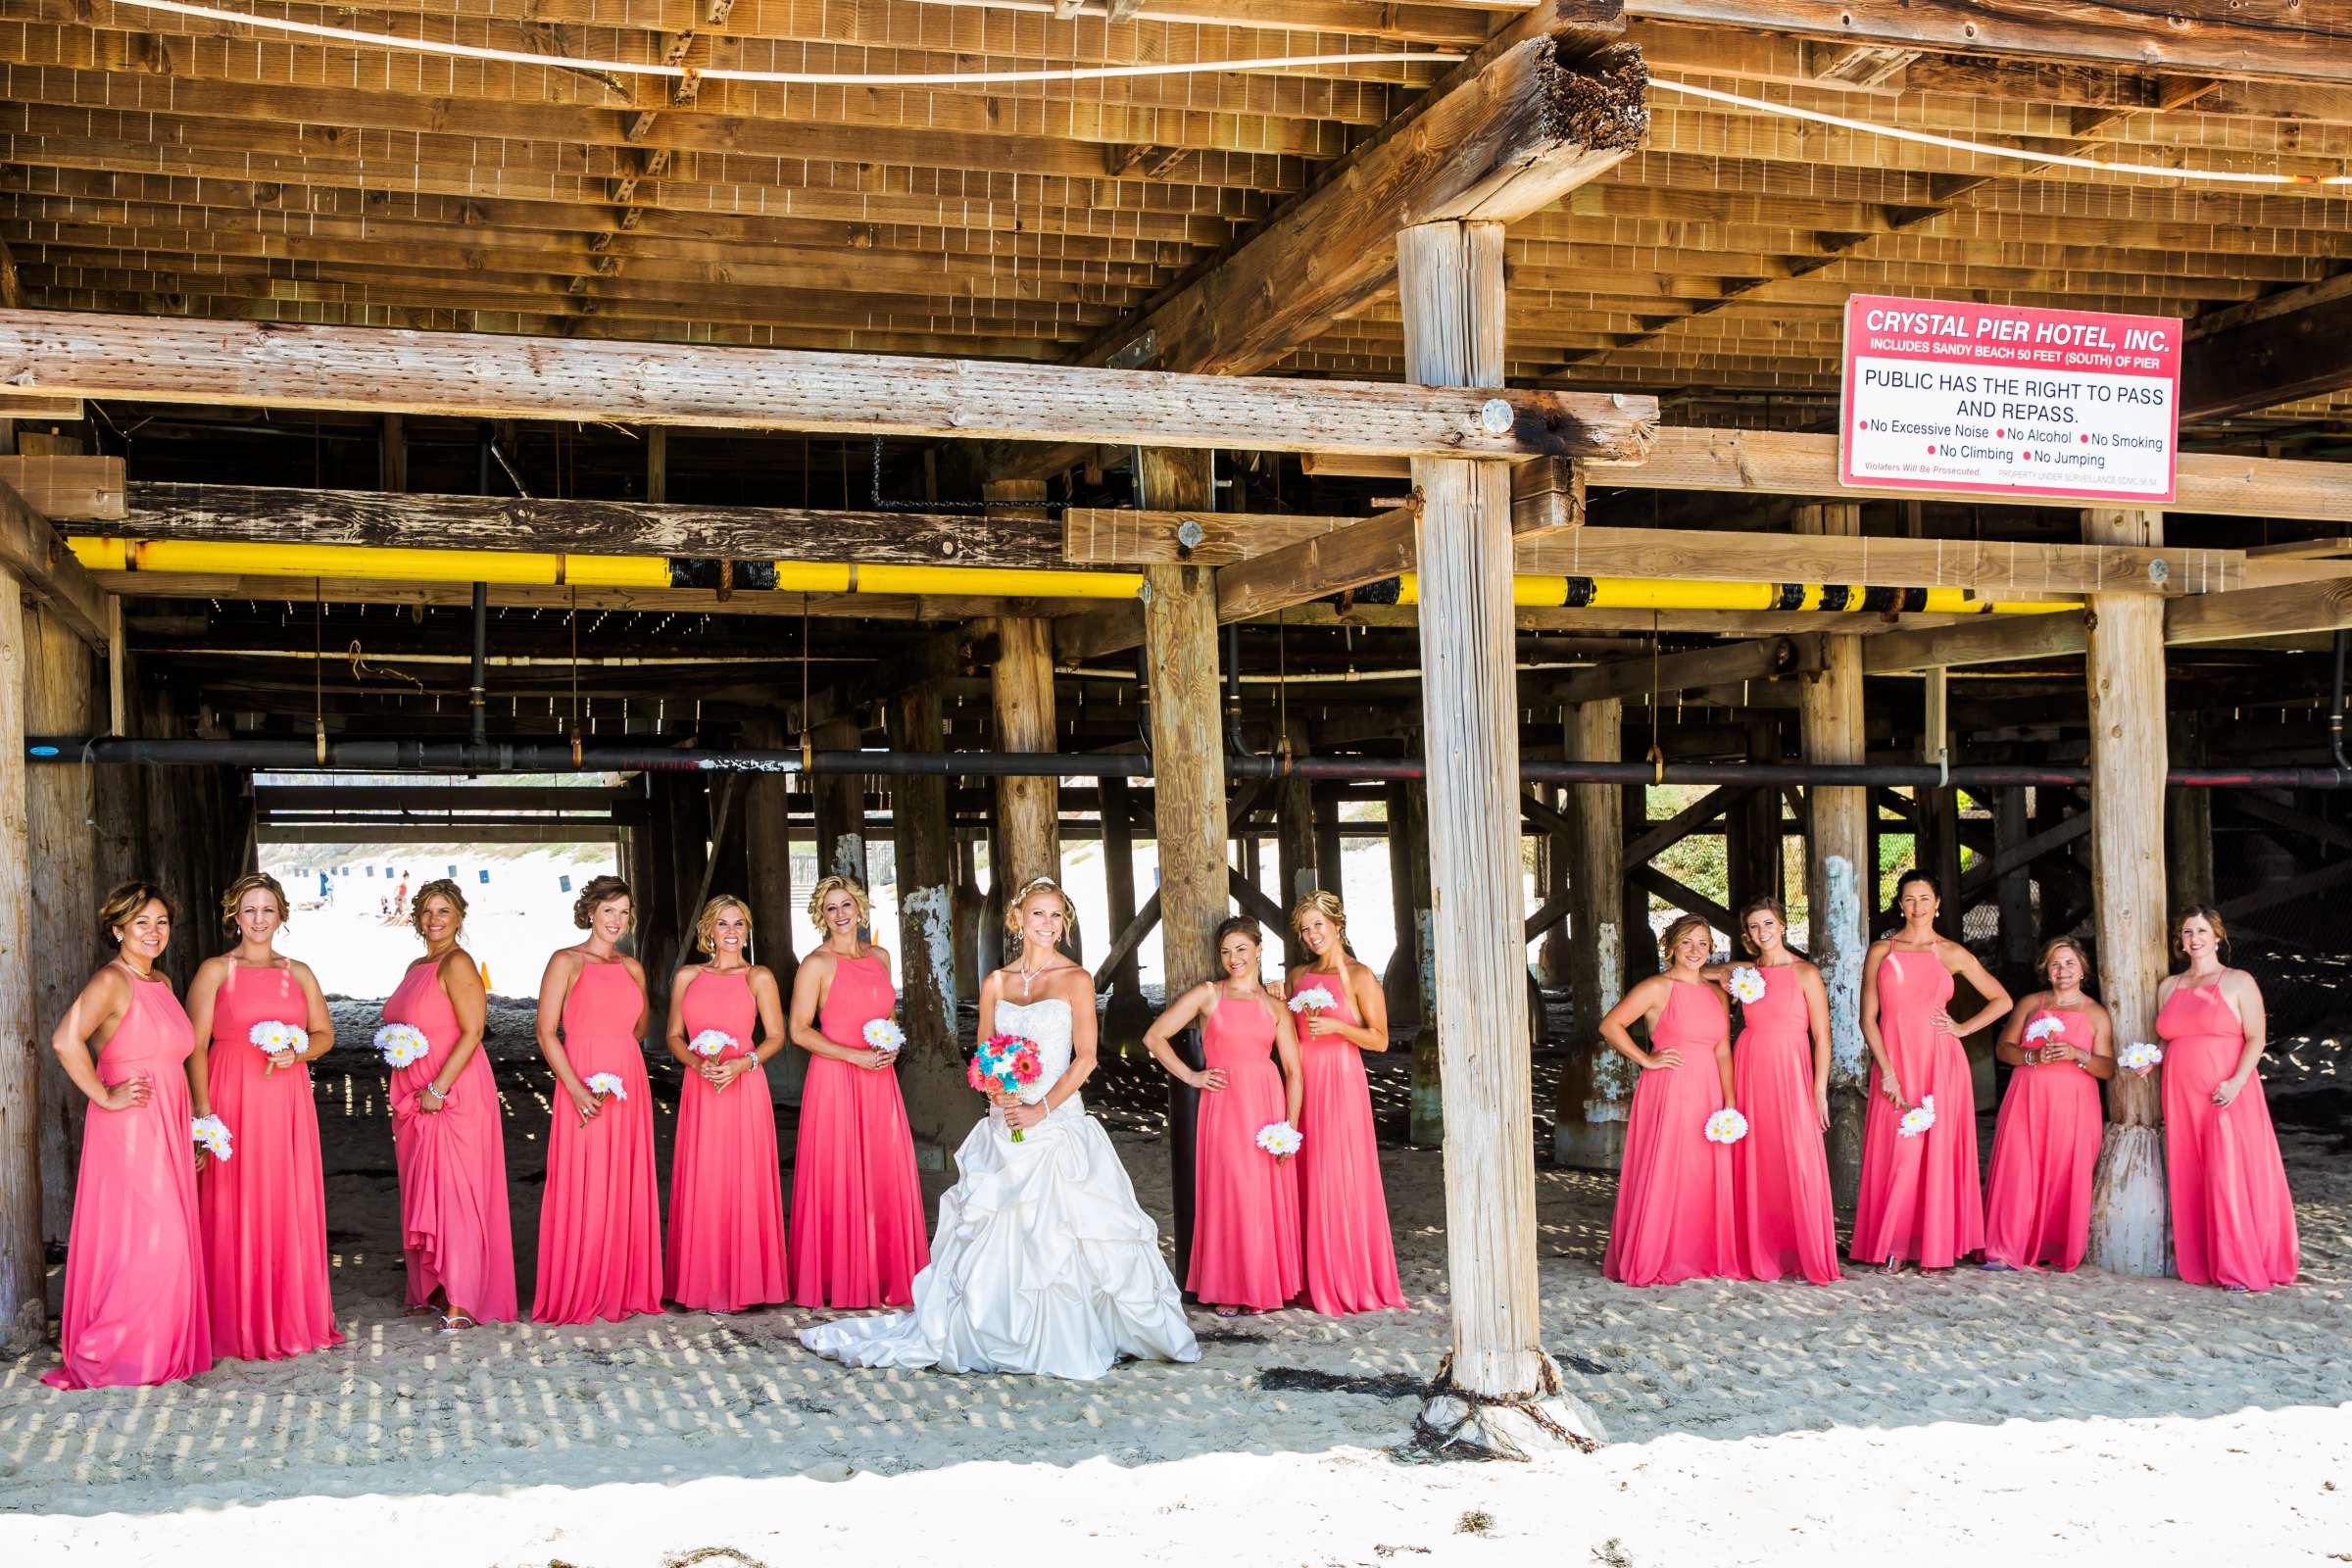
{"x": 1349, "y": 1256}
{"x": 263, "y": 1214}
{"x": 2044, "y": 1149}
{"x": 1785, "y": 1217}
{"x": 726, "y": 1200}
{"x": 1921, "y": 1200}
{"x": 2233, "y": 1220}
{"x": 600, "y": 1221}
{"x": 1674, "y": 1189}
{"x": 857, "y": 1199}
{"x": 1042, "y": 1264}
{"x": 454, "y": 1224}
{"x": 1245, "y": 1237}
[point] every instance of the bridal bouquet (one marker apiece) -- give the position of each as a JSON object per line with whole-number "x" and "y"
{"x": 606, "y": 1085}
{"x": 1747, "y": 985}
{"x": 1005, "y": 1064}
{"x": 1314, "y": 999}
{"x": 2138, "y": 1055}
{"x": 1919, "y": 1118}
{"x": 885, "y": 1036}
{"x": 274, "y": 1038}
{"x": 210, "y": 1134}
{"x": 402, "y": 1044}
{"x": 1279, "y": 1139}
{"x": 1726, "y": 1126}
{"x": 711, "y": 1043}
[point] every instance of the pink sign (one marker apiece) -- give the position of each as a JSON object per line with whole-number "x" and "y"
{"x": 2072, "y": 405}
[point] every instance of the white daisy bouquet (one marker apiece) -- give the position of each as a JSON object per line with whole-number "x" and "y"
{"x": 1919, "y": 1118}
{"x": 2043, "y": 1028}
{"x": 402, "y": 1044}
{"x": 273, "y": 1038}
{"x": 1313, "y": 999}
{"x": 2138, "y": 1055}
{"x": 608, "y": 1083}
{"x": 885, "y": 1036}
{"x": 1727, "y": 1126}
{"x": 1279, "y": 1139}
{"x": 711, "y": 1043}
{"x": 1748, "y": 984}
{"x": 210, "y": 1134}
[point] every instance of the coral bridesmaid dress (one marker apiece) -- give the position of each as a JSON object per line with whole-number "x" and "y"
{"x": 2233, "y": 1221}
{"x": 1349, "y": 1256}
{"x": 135, "y": 1307}
{"x": 1674, "y": 1218}
{"x": 265, "y": 1208}
{"x": 1784, "y": 1216}
{"x": 453, "y": 1164}
{"x": 726, "y": 1197}
{"x": 1245, "y": 1237}
{"x": 599, "y": 1219}
{"x": 856, "y": 1202}
{"x": 1920, "y": 1198}
{"x": 2044, "y": 1149}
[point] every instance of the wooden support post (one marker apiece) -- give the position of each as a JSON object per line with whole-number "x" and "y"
{"x": 1752, "y": 827}
{"x": 22, "y": 1285}
{"x": 2124, "y": 668}
{"x": 1331, "y": 847}
{"x": 1596, "y": 1085}
{"x": 1497, "y": 1390}
{"x": 1409, "y": 904}
{"x": 1553, "y": 960}
{"x": 766, "y": 812}
{"x": 1127, "y": 1015}
{"x": 2020, "y": 937}
{"x": 2187, "y": 819}
{"x": 1297, "y": 846}
{"x": 840, "y": 805}
{"x": 1842, "y": 876}
{"x": 1180, "y": 672}
{"x": 656, "y": 462}
{"x": 392, "y": 455}
{"x": 1021, "y": 685}
{"x": 692, "y": 813}
{"x": 971, "y": 913}
{"x": 58, "y": 701}
{"x": 940, "y": 1107}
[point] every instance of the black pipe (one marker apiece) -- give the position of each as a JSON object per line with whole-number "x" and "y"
{"x": 479, "y": 687}
{"x": 555, "y": 756}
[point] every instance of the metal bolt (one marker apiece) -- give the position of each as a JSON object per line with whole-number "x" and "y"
{"x": 1190, "y": 533}
{"x": 1496, "y": 415}
{"x": 2158, "y": 571}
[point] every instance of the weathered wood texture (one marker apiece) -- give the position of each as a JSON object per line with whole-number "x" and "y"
{"x": 1451, "y": 292}
{"x": 1021, "y": 690}
{"x": 60, "y": 488}
{"x": 379, "y": 518}
{"x": 1096, "y": 536}
{"x": 1296, "y": 846}
{"x": 1671, "y": 674}
{"x": 1127, "y": 1015}
{"x": 1596, "y": 1085}
{"x": 840, "y": 805}
{"x": 2266, "y": 353}
{"x": 1545, "y": 106}
{"x": 23, "y": 1276}
{"x": 1993, "y": 570}
{"x": 479, "y": 376}
{"x": 1842, "y": 877}
{"x": 2125, "y": 670}
{"x": 776, "y": 920}
{"x": 940, "y": 1105}
{"x": 1315, "y": 568}
{"x": 58, "y": 701}
{"x": 35, "y": 555}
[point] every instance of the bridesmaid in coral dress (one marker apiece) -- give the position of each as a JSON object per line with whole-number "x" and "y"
{"x": 1674, "y": 1219}
{"x": 264, "y": 1207}
{"x": 2233, "y": 1220}
{"x": 600, "y": 1218}
{"x": 2046, "y": 1143}
{"x": 1921, "y": 1197}
{"x": 1245, "y": 1232}
{"x": 1782, "y": 1212}
{"x": 1350, "y": 1256}
{"x": 447, "y": 1130}
{"x": 135, "y": 1307}
{"x": 726, "y": 1197}
{"x": 856, "y": 1202}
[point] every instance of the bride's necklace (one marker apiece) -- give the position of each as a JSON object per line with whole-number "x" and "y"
{"x": 1028, "y": 977}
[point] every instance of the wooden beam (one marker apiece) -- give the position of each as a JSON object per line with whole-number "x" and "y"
{"x": 1547, "y": 105}
{"x": 2285, "y": 348}
{"x": 1101, "y": 536}
{"x": 35, "y": 555}
{"x": 1992, "y": 570}
{"x": 1671, "y": 674}
{"x": 66, "y": 488}
{"x": 378, "y": 518}
{"x": 1656, "y": 838}
{"x": 1318, "y": 567}
{"x": 938, "y": 1097}
{"x": 1021, "y": 697}
{"x": 1786, "y": 463}
{"x": 1989, "y": 640}
{"x": 1682, "y": 895}
{"x": 2304, "y": 607}
{"x": 1596, "y": 1085}
{"x": 454, "y": 833}
{"x": 24, "y": 1317}
{"x": 489, "y": 376}
{"x": 2017, "y": 857}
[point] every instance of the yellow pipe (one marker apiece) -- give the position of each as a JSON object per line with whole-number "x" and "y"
{"x": 533, "y": 568}
{"x": 1676, "y": 593}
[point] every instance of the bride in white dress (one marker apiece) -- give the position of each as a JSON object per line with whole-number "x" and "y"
{"x": 1044, "y": 1262}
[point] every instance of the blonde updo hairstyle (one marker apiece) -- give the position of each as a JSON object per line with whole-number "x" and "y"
{"x": 1031, "y": 889}
{"x": 234, "y": 897}
{"x": 440, "y": 887}
{"x": 706, "y": 924}
{"x": 601, "y": 890}
{"x": 1325, "y": 903}
{"x": 1682, "y": 928}
{"x": 117, "y": 910}
{"x": 825, "y": 890}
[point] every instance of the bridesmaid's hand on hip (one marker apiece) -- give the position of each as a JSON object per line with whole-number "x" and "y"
{"x": 128, "y": 1094}
{"x": 1662, "y": 1060}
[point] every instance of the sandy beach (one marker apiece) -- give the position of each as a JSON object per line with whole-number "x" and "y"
{"x": 2069, "y": 1419}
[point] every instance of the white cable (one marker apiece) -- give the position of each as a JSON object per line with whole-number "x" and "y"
{"x": 1993, "y": 149}
{"x": 793, "y": 78}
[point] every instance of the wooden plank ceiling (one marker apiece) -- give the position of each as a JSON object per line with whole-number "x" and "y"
{"x": 158, "y": 163}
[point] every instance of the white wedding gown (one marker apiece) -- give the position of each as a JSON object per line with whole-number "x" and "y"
{"x": 1044, "y": 1262}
